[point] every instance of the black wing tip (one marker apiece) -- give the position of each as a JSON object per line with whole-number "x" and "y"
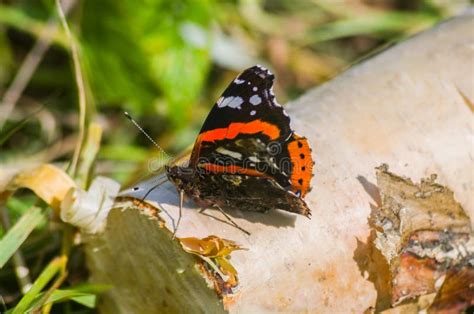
{"x": 259, "y": 71}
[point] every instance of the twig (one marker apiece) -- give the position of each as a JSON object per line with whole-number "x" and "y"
{"x": 29, "y": 66}
{"x": 80, "y": 89}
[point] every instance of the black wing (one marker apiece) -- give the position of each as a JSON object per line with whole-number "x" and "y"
{"x": 248, "y": 132}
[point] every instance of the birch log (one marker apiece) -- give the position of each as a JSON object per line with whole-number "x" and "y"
{"x": 410, "y": 107}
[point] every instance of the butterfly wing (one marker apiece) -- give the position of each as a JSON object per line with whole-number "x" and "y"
{"x": 248, "y": 132}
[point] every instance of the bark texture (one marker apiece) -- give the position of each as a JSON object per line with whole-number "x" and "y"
{"x": 410, "y": 107}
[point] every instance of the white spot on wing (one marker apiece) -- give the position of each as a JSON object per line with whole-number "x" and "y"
{"x": 253, "y": 112}
{"x": 254, "y": 159}
{"x": 273, "y": 97}
{"x": 237, "y": 81}
{"x": 255, "y": 88}
{"x": 231, "y": 101}
{"x": 255, "y": 100}
{"x": 230, "y": 153}
{"x": 264, "y": 69}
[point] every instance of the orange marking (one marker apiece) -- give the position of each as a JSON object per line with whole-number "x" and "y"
{"x": 300, "y": 155}
{"x": 236, "y": 128}
{"x": 232, "y": 169}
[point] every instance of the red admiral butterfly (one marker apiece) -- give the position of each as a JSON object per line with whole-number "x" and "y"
{"x": 246, "y": 156}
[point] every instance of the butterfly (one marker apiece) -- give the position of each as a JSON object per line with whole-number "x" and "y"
{"x": 246, "y": 156}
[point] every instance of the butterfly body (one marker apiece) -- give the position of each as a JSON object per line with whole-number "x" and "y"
{"x": 246, "y": 156}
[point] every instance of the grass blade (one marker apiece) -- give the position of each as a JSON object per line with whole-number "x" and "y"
{"x": 81, "y": 89}
{"x": 86, "y": 300}
{"x": 18, "y": 233}
{"x": 44, "y": 278}
{"x": 378, "y": 25}
{"x": 83, "y": 294}
{"x": 5, "y": 135}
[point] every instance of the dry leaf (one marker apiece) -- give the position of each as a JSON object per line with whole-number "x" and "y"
{"x": 215, "y": 251}
{"x": 48, "y": 182}
{"x": 211, "y": 246}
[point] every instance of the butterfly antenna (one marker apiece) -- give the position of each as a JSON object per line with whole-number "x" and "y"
{"x": 129, "y": 117}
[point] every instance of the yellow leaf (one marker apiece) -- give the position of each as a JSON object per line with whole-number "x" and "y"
{"x": 227, "y": 269}
{"x": 48, "y": 182}
{"x": 211, "y": 246}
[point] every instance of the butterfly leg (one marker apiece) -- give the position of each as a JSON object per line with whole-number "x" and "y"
{"x": 152, "y": 188}
{"x": 231, "y": 221}
{"x": 169, "y": 216}
{"x": 181, "y": 199}
{"x": 228, "y": 220}
{"x": 201, "y": 211}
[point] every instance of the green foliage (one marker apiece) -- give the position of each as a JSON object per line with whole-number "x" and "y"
{"x": 44, "y": 278}
{"x": 85, "y": 295}
{"x": 14, "y": 237}
{"x": 136, "y": 54}
{"x": 116, "y": 66}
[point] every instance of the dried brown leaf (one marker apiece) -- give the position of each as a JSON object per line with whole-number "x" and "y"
{"x": 215, "y": 251}
{"x": 47, "y": 181}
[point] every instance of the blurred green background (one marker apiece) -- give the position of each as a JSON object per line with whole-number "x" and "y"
{"x": 166, "y": 62}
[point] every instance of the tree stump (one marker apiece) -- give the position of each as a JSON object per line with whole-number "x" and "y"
{"x": 410, "y": 107}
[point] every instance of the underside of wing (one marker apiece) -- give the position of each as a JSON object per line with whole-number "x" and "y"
{"x": 243, "y": 192}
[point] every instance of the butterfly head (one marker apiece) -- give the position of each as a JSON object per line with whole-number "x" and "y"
{"x": 182, "y": 177}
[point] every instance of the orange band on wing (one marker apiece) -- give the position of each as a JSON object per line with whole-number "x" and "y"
{"x": 302, "y": 171}
{"x": 232, "y": 170}
{"x": 236, "y": 128}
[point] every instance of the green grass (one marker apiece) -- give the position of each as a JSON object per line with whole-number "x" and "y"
{"x": 15, "y": 236}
